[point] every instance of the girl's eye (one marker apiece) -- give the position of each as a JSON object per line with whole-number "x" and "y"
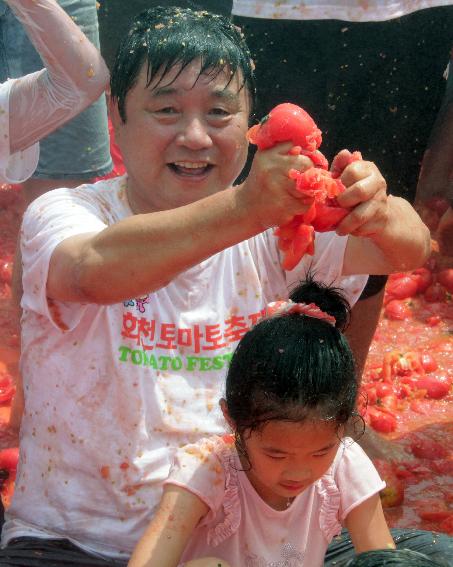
{"x": 275, "y": 457}
{"x": 167, "y": 110}
{"x": 318, "y": 455}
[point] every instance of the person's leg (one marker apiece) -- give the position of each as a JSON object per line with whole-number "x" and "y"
{"x": 438, "y": 547}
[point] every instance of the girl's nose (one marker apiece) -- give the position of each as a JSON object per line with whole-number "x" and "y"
{"x": 194, "y": 135}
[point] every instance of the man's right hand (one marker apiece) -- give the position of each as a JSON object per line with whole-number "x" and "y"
{"x": 268, "y": 193}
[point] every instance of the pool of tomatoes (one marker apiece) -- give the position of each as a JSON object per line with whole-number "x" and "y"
{"x": 406, "y": 393}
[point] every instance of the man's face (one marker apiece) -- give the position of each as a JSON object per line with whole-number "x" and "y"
{"x": 183, "y": 139}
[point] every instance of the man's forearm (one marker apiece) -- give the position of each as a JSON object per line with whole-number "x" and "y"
{"x": 144, "y": 252}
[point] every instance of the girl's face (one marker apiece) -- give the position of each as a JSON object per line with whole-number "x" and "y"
{"x": 287, "y": 457}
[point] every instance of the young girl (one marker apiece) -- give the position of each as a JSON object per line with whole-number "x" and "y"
{"x": 278, "y": 490}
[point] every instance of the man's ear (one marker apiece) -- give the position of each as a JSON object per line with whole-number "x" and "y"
{"x": 226, "y": 415}
{"x": 114, "y": 114}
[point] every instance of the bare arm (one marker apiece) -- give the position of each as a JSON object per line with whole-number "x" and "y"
{"x": 144, "y": 252}
{"x": 367, "y": 526}
{"x": 169, "y": 532}
{"x": 74, "y": 77}
{"x": 385, "y": 233}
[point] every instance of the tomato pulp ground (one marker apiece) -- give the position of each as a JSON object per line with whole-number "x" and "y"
{"x": 407, "y": 395}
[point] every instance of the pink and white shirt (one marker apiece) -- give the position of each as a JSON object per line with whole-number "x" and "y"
{"x": 245, "y": 531}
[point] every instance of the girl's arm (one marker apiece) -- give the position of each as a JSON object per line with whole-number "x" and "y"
{"x": 169, "y": 532}
{"x": 367, "y": 526}
{"x": 74, "y": 77}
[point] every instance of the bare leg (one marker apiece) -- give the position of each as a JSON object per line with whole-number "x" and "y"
{"x": 364, "y": 320}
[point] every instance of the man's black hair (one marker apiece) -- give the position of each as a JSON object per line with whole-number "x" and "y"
{"x": 165, "y": 37}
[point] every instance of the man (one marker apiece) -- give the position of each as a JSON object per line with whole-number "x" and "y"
{"x": 137, "y": 289}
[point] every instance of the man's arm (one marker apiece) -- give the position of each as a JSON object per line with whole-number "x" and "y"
{"x": 144, "y": 252}
{"x": 385, "y": 233}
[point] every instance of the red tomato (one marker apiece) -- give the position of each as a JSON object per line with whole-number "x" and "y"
{"x": 435, "y": 293}
{"x": 7, "y": 388}
{"x": 286, "y": 123}
{"x": 9, "y": 458}
{"x": 446, "y": 526}
{"x": 328, "y": 217}
{"x": 428, "y": 362}
{"x": 397, "y": 310}
{"x": 382, "y": 421}
{"x": 423, "y": 448}
{"x": 445, "y": 277}
{"x": 433, "y": 320}
{"x": 436, "y": 387}
{"x": 432, "y": 511}
{"x": 401, "y": 286}
{"x": 6, "y": 272}
{"x": 384, "y": 389}
{"x": 424, "y": 279}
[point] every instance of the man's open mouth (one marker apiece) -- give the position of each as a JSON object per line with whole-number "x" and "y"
{"x": 190, "y": 168}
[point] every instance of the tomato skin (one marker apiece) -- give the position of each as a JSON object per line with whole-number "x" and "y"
{"x": 6, "y": 272}
{"x": 429, "y": 363}
{"x": 435, "y": 293}
{"x": 384, "y": 389}
{"x": 401, "y": 286}
{"x": 445, "y": 278}
{"x": 433, "y": 320}
{"x": 423, "y": 448}
{"x": 424, "y": 279}
{"x": 9, "y": 458}
{"x": 397, "y": 310}
{"x": 446, "y": 526}
{"x": 384, "y": 422}
{"x": 286, "y": 123}
{"x": 436, "y": 387}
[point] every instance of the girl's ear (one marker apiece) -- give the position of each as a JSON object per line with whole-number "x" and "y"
{"x": 226, "y": 415}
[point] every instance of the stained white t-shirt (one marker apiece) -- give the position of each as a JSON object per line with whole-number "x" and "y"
{"x": 242, "y": 529}
{"x": 111, "y": 391}
{"x": 17, "y": 167}
{"x": 348, "y": 10}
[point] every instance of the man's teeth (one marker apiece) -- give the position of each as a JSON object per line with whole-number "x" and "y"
{"x": 190, "y": 165}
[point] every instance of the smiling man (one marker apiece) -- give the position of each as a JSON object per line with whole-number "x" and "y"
{"x": 137, "y": 289}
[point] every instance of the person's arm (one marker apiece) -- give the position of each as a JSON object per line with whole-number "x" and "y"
{"x": 74, "y": 77}
{"x": 385, "y": 233}
{"x": 367, "y": 526}
{"x": 144, "y": 252}
{"x": 169, "y": 532}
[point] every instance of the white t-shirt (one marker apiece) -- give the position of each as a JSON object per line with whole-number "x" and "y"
{"x": 244, "y": 530}
{"x": 348, "y": 10}
{"x": 14, "y": 168}
{"x": 112, "y": 390}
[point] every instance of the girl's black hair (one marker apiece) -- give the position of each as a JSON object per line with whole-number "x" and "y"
{"x": 165, "y": 37}
{"x": 294, "y": 367}
{"x": 392, "y": 558}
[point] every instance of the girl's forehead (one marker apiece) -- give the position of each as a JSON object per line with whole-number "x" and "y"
{"x": 296, "y": 434}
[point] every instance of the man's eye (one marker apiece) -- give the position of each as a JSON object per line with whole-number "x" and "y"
{"x": 167, "y": 110}
{"x": 219, "y": 112}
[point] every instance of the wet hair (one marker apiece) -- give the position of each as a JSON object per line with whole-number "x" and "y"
{"x": 292, "y": 367}
{"x": 165, "y": 37}
{"x": 392, "y": 558}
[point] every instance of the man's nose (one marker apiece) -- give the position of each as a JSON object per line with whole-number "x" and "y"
{"x": 194, "y": 134}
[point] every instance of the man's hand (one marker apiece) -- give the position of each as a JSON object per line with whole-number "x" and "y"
{"x": 366, "y": 193}
{"x": 268, "y": 193}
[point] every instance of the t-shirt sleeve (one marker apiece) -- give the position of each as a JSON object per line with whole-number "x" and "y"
{"x": 356, "y": 477}
{"x": 49, "y": 220}
{"x": 326, "y": 265}
{"x": 199, "y": 469}
{"x": 17, "y": 167}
